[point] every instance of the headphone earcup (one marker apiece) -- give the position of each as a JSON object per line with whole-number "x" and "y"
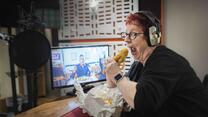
{"x": 154, "y": 36}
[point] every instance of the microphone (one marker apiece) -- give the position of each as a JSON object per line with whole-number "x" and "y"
{"x": 1, "y": 36}
{"x": 4, "y": 37}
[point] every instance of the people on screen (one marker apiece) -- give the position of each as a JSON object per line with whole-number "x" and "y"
{"x": 69, "y": 73}
{"x": 59, "y": 76}
{"x": 82, "y": 69}
{"x": 102, "y": 69}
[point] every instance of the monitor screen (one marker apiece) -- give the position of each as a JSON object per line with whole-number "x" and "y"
{"x": 84, "y": 64}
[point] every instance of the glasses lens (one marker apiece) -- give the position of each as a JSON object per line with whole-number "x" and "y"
{"x": 132, "y": 35}
{"x": 123, "y": 35}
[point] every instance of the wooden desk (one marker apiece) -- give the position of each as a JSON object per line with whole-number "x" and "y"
{"x": 52, "y": 109}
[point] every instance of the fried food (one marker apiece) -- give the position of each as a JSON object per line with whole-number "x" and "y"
{"x": 121, "y": 56}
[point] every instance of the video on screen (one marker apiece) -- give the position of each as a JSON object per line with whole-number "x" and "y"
{"x": 84, "y": 64}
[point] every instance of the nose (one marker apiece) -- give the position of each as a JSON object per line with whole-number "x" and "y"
{"x": 127, "y": 39}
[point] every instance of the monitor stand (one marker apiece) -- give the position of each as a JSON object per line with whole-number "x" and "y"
{"x": 86, "y": 88}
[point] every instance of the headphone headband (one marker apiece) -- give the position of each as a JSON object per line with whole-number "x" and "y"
{"x": 151, "y": 17}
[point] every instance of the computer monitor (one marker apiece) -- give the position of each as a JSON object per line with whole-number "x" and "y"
{"x": 84, "y": 64}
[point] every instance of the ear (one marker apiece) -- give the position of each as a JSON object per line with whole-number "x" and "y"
{"x": 154, "y": 36}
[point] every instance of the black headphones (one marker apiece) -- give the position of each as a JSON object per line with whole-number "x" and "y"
{"x": 153, "y": 33}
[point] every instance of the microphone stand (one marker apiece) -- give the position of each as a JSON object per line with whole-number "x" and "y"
{"x": 12, "y": 70}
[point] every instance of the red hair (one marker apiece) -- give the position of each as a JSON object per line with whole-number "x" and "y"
{"x": 139, "y": 20}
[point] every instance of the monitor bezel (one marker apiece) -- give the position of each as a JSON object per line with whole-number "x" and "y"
{"x": 74, "y": 46}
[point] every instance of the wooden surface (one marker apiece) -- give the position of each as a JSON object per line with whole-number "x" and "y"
{"x": 51, "y": 109}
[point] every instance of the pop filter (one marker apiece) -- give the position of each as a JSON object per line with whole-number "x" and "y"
{"x": 30, "y": 49}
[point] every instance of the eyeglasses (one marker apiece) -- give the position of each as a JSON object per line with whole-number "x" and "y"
{"x": 131, "y": 35}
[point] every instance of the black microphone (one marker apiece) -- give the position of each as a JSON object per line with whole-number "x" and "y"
{"x": 4, "y": 37}
{"x": 1, "y": 36}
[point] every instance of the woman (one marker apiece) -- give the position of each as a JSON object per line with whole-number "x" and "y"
{"x": 160, "y": 83}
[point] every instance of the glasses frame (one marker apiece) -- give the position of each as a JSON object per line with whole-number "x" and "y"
{"x": 131, "y": 35}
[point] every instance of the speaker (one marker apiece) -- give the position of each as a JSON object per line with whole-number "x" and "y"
{"x": 153, "y": 32}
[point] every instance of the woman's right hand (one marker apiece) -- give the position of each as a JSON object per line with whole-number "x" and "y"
{"x": 108, "y": 73}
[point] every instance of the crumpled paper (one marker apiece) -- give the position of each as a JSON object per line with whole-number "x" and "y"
{"x": 100, "y": 101}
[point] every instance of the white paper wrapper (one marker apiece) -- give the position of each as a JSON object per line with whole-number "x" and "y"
{"x": 100, "y": 101}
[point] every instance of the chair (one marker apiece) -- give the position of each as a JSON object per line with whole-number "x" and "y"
{"x": 205, "y": 81}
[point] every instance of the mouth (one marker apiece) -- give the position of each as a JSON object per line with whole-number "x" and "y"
{"x": 133, "y": 51}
